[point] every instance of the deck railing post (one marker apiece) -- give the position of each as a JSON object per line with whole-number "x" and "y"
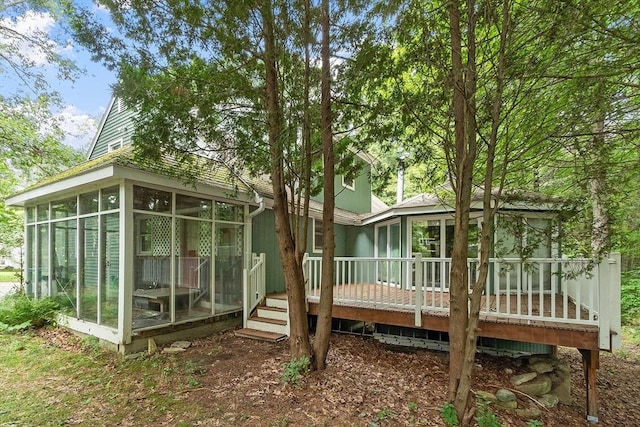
{"x": 418, "y": 286}
{"x": 245, "y": 297}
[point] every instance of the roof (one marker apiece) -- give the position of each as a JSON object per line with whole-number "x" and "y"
{"x": 443, "y": 202}
{"x": 200, "y": 171}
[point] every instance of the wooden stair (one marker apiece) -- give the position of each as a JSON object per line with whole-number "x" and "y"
{"x": 269, "y": 322}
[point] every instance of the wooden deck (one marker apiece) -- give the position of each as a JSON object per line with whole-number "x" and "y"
{"x": 504, "y": 317}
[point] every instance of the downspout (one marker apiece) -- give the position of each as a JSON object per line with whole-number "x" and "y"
{"x": 260, "y": 201}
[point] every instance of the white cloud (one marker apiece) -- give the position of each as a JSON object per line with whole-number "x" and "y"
{"x": 27, "y": 38}
{"x": 78, "y": 127}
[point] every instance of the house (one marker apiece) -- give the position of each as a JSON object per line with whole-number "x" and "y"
{"x": 132, "y": 252}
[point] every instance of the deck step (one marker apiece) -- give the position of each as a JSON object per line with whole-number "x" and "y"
{"x": 255, "y": 334}
{"x": 277, "y": 301}
{"x": 273, "y": 313}
{"x": 268, "y": 325}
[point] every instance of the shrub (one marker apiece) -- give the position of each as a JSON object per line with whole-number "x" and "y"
{"x": 294, "y": 369}
{"x": 630, "y": 298}
{"x": 19, "y": 312}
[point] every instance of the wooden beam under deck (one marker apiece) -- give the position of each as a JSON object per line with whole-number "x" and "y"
{"x": 539, "y": 332}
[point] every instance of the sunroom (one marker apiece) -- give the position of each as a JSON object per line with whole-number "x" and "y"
{"x": 125, "y": 257}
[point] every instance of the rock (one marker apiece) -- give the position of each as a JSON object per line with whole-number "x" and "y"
{"x": 486, "y": 396}
{"x": 181, "y": 344}
{"x": 504, "y": 395}
{"x": 543, "y": 358}
{"x": 523, "y": 378}
{"x": 537, "y": 387}
{"x": 541, "y": 367}
{"x": 508, "y": 371}
{"x": 549, "y": 400}
{"x": 151, "y": 346}
{"x": 561, "y": 386}
{"x": 529, "y": 413}
{"x": 173, "y": 350}
{"x": 508, "y": 405}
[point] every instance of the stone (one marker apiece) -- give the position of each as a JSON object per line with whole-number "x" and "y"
{"x": 508, "y": 405}
{"x": 529, "y": 413}
{"x": 181, "y": 344}
{"x": 504, "y": 395}
{"x": 541, "y": 367}
{"x": 537, "y": 358}
{"x": 486, "y": 396}
{"x": 549, "y": 400}
{"x": 173, "y": 350}
{"x": 151, "y": 346}
{"x": 523, "y": 378}
{"x": 537, "y": 387}
{"x": 561, "y": 386}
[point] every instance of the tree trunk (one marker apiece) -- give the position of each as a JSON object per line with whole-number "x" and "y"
{"x": 292, "y": 268}
{"x": 323, "y": 329}
{"x": 600, "y": 231}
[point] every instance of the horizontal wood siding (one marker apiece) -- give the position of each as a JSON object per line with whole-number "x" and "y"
{"x": 117, "y": 125}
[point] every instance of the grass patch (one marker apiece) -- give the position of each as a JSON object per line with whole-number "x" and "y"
{"x": 9, "y": 276}
{"x": 44, "y": 385}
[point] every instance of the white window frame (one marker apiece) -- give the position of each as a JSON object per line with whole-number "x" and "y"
{"x": 113, "y": 146}
{"x": 349, "y": 185}
{"x": 316, "y": 223}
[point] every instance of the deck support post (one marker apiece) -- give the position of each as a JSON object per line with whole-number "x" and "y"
{"x": 590, "y": 365}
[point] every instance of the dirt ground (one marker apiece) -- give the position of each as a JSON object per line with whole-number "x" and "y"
{"x": 368, "y": 384}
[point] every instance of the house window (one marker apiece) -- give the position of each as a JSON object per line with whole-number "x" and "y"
{"x": 114, "y": 145}
{"x": 318, "y": 235}
{"x": 349, "y": 183}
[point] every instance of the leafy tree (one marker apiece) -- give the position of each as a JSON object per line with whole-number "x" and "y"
{"x": 30, "y": 138}
{"x": 489, "y": 89}
{"x": 235, "y": 81}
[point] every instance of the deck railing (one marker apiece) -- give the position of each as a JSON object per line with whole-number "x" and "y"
{"x": 576, "y": 291}
{"x": 254, "y": 285}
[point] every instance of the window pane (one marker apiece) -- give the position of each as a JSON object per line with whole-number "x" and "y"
{"x": 64, "y": 208}
{"x": 31, "y": 214}
{"x": 425, "y": 238}
{"x": 318, "y": 236}
{"x": 42, "y": 279}
{"x": 31, "y": 276}
{"x": 193, "y": 248}
{"x": 229, "y": 264}
{"x": 111, "y": 269}
{"x": 193, "y": 206}
{"x": 151, "y": 200}
{"x": 43, "y": 212}
{"x": 152, "y": 271}
{"x": 89, "y": 202}
{"x": 65, "y": 262}
{"x": 111, "y": 198}
{"x": 229, "y": 212}
{"x": 89, "y": 269}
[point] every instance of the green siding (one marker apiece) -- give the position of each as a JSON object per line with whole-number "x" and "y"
{"x": 357, "y": 200}
{"x": 350, "y": 241}
{"x": 359, "y": 241}
{"x": 117, "y": 125}
{"x": 264, "y": 240}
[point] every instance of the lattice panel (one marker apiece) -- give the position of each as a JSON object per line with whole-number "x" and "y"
{"x": 205, "y": 239}
{"x": 239, "y": 241}
{"x": 161, "y": 232}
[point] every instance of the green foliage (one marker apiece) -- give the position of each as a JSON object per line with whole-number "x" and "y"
{"x": 449, "y": 415}
{"x": 19, "y": 312}
{"x": 534, "y": 423}
{"x": 485, "y": 417}
{"x": 630, "y": 298}
{"x": 293, "y": 370}
{"x": 413, "y": 407}
{"x": 385, "y": 413}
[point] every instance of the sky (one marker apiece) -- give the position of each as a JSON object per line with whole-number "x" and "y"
{"x": 83, "y": 101}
